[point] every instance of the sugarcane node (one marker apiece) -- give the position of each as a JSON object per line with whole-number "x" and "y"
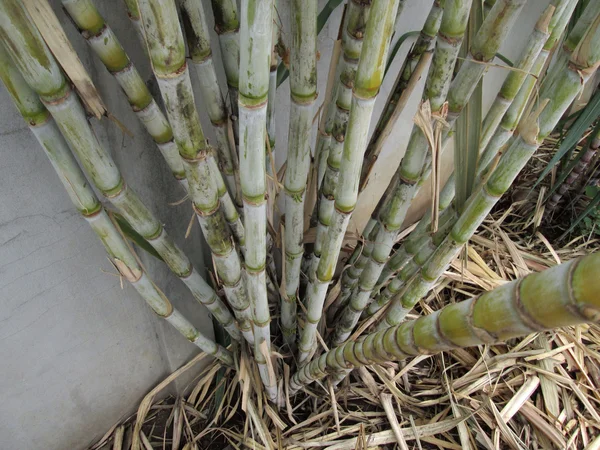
{"x": 208, "y": 213}
{"x": 442, "y": 337}
{"x": 254, "y": 103}
{"x": 130, "y": 274}
{"x": 62, "y": 95}
{"x": 484, "y": 335}
{"x": 523, "y": 314}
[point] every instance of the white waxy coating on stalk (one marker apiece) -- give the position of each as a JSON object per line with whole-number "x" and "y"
{"x": 366, "y": 87}
{"x": 303, "y": 93}
{"x": 255, "y": 55}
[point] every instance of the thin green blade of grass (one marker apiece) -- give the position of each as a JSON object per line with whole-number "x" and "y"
{"x": 560, "y": 179}
{"x": 134, "y": 236}
{"x": 587, "y": 117}
{"x": 322, "y": 18}
{"x": 586, "y": 212}
{"x": 397, "y": 46}
{"x": 468, "y": 125}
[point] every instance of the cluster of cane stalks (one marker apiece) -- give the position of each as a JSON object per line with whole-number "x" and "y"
{"x": 268, "y": 309}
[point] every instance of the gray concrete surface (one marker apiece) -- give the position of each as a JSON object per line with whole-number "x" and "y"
{"x": 77, "y": 351}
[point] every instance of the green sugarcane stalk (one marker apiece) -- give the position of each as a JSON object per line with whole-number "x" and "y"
{"x": 409, "y": 173}
{"x": 515, "y": 78}
{"x": 255, "y": 56}
{"x": 166, "y": 48}
{"x": 303, "y": 93}
{"x": 134, "y": 16}
{"x": 107, "y": 47}
{"x": 510, "y": 120}
{"x": 564, "y": 52}
{"x": 86, "y": 202}
{"x": 581, "y": 66}
{"x": 352, "y": 33}
{"x": 39, "y": 68}
{"x": 495, "y": 27}
{"x": 227, "y": 26}
{"x": 359, "y": 258}
{"x": 502, "y": 102}
{"x": 561, "y": 296}
{"x": 418, "y": 253}
{"x": 367, "y": 83}
{"x": 330, "y": 145}
{"x": 425, "y": 43}
{"x": 401, "y": 257}
{"x": 198, "y": 39}
{"x": 272, "y": 97}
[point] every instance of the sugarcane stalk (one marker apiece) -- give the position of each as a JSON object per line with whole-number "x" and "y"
{"x": 492, "y": 32}
{"x": 272, "y": 97}
{"x": 166, "y": 48}
{"x": 333, "y": 135}
{"x": 366, "y": 87}
{"x": 418, "y": 253}
{"x": 425, "y": 43}
{"x": 496, "y": 26}
{"x": 255, "y": 55}
{"x": 578, "y": 170}
{"x": 449, "y": 39}
{"x": 564, "y": 52}
{"x": 107, "y": 47}
{"x": 401, "y": 257}
{"x": 303, "y": 93}
{"x": 134, "y": 16}
{"x": 515, "y": 78}
{"x": 40, "y": 70}
{"x": 510, "y": 120}
{"x": 87, "y": 203}
{"x": 531, "y": 134}
{"x": 198, "y": 40}
{"x": 561, "y": 296}
{"x": 227, "y": 26}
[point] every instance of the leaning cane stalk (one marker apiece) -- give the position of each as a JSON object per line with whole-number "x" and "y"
{"x": 198, "y": 40}
{"x": 510, "y": 120}
{"x": 409, "y": 173}
{"x": 227, "y": 26}
{"x": 85, "y": 201}
{"x": 561, "y": 296}
{"x": 514, "y": 80}
{"x": 166, "y": 49}
{"x": 352, "y": 33}
{"x": 564, "y": 52}
{"x": 134, "y": 16}
{"x": 42, "y": 73}
{"x": 487, "y": 41}
{"x": 425, "y": 43}
{"x": 494, "y": 29}
{"x": 107, "y": 47}
{"x": 582, "y": 65}
{"x": 366, "y": 87}
{"x": 255, "y": 55}
{"x": 303, "y": 93}
{"x": 333, "y": 135}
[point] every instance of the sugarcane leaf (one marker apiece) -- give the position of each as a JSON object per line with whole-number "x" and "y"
{"x": 134, "y": 236}
{"x": 468, "y": 125}
{"x": 322, "y": 18}
{"x": 505, "y": 60}
{"x": 560, "y": 179}
{"x": 588, "y": 116}
{"x": 397, "y": 46}
{"x": 586, "y": 212}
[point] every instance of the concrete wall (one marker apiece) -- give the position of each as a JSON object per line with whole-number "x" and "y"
{"x": 77, "y": 351}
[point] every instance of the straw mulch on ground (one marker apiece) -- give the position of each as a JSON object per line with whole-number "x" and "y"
{"x": 541, "y": 391}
